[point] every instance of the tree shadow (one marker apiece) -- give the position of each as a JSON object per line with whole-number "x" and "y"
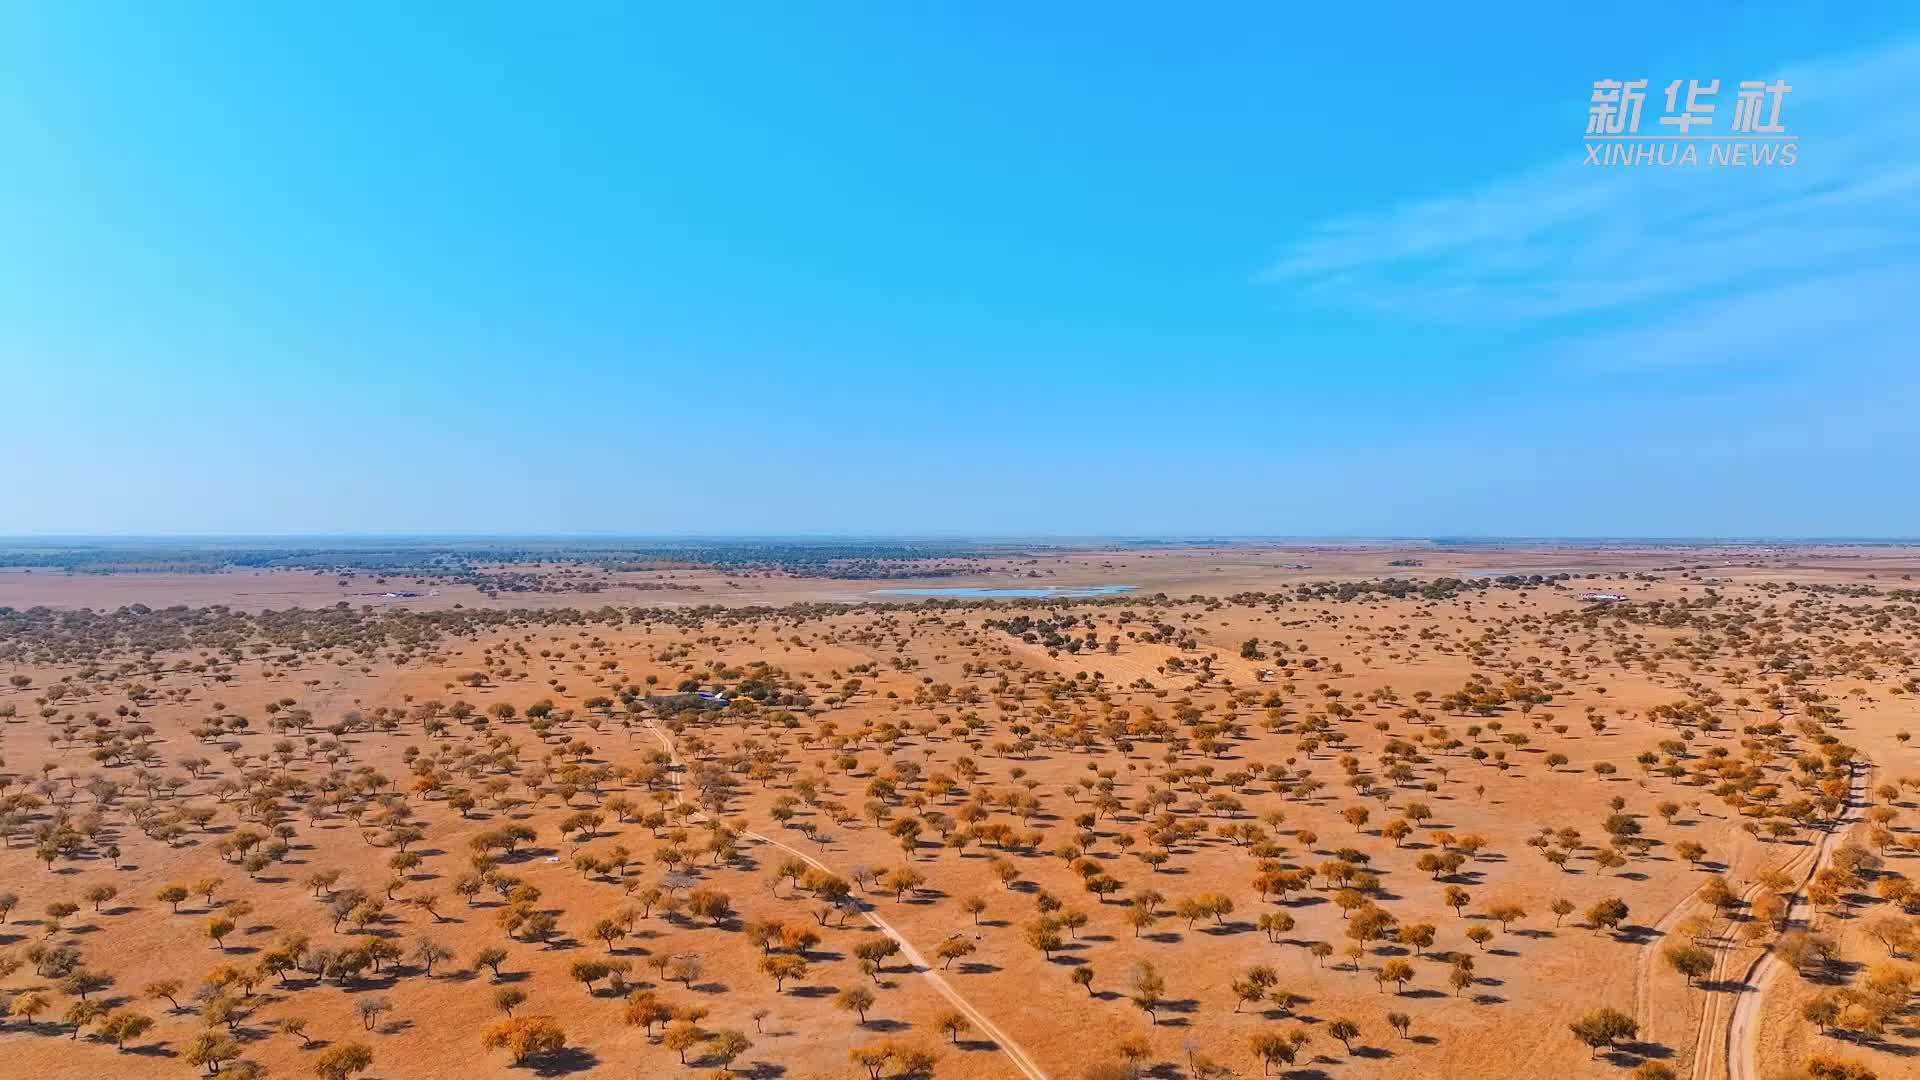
{"x": 573, "y": 1059}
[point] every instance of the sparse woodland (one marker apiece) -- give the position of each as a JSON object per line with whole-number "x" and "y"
{"x": 1396, "y": 828}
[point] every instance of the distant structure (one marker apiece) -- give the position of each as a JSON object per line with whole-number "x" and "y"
{"x": 1602, "y": 597}
{"x": 666, "y": 705}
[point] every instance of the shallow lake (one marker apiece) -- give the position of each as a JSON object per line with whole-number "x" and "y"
{"x": 1044, "y": 592}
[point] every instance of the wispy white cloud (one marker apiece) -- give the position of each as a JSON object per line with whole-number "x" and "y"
{"x": 1867, "y": 315}
{"x": 1565, "y": 239}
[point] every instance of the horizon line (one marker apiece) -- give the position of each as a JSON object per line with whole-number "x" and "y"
{"x": 1135, "y": 537}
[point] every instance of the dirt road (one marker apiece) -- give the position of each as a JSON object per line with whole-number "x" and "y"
{"x": 1013, "y": 1050}
{"x": 1741, "y": 1041}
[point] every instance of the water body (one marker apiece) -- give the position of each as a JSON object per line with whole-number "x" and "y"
{"x": 1041, "y": 592}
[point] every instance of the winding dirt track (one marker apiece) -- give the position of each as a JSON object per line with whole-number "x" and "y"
{"x": 1007, "y": 1046}
{"x": 1718, "y": 1005}
{"x": 1649, "y": 960}
{"x": 1013, "y": 1050}
{"x": 1741, "y": 1043}
{"x": 1729, "y": 1031}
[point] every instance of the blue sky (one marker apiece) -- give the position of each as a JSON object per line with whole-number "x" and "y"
{"x": 978, "y": 269}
